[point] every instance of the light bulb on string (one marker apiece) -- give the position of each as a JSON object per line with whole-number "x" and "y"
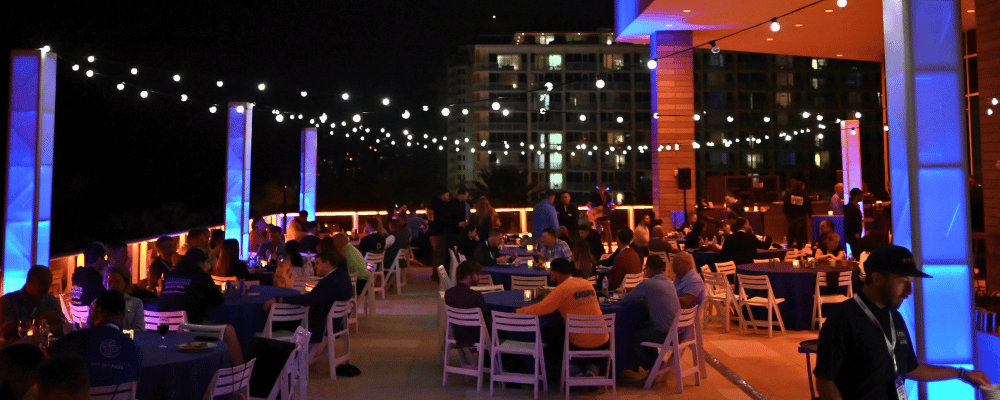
{"x": 465, "y": 111}
{"x": 144, "y": 94}
{"x": 656, "y": 115}
{"x": 177, "y": 78}
{"x": 90, "y": 59}
{"x": 620, "y": 119}
{"x": 292, "y": 116}
{"x": 505, "y": 112}
{"x": 549, "y": 86}
{"x": 343, "y": 123}
{"x": 697, "y": 117}
{"x": 76, "y": 67}
{"x": 346, "y": 96}
{"x": 583, "y": 117}
{"x": 715, "y": 47}
{"x": 312, "y": 120}
{"x": 600, "y": 83}
{"x": 184, "y": 97}
{"x": 543, "y": 110}
{"x": 240, "y": 109}
{"x": 121, "y": 86}
{"x": 135, "y": 71}
{"x": 385, "y": 101}
{"x": 304, "y": 93}
{"x": 300, "y": 116}
{"x": 356, "y": 118}
{"x": 730, "y": 118}
{"x": 775, "y": 26}
{"x": 406, "y": 114}
{"x": 885, "y": 128}
{"x": 90, "y": 73}
{"x": 995, "y": 101}
{"x": 445, "y": 112}
{"x": 495, "y": 106}
{"x": 767, "y": 118}
{"x": 805, "y": 114}
{"x": 426, "y": 108}
{"x": 281, "y": 117}
{"x": 46, "y": 49}
{"x": 218, "y": 83}
{"x": 261, "y": 87}
{"x": 322, "y": 118}
{"x": 651, "y": 64}
{"x": 841, "y": 3}
{"x": 857, "y": 115}
{"x": 213, "y": 109}
{"x": 819, "y": 136}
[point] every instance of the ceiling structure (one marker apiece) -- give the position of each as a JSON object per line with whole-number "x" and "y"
{"x": 822, "y": 30}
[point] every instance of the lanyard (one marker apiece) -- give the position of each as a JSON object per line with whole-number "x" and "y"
{"x": 891, "y": 346}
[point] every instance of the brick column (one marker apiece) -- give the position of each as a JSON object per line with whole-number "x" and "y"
{"x": 988, "y": 50}
{"x": 672, "y": 86}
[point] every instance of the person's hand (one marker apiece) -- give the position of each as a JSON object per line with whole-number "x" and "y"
{"x": 976, "y": 378}
{"x": 268, "y": 304}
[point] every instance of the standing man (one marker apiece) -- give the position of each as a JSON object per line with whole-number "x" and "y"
{"x": 837, "y": 201}
{"x": 865, "y": 351}
{"x": 853, "y": 221}
{"x": 88, "y": 280}
{"x": 544, "y": 216}
{"x": 797, "y": 209}
{"x": 297, "y": 226}
{"x": 440, "y": 221}
{"x": 567, "y": 213}
{"x": 734, "y": 205}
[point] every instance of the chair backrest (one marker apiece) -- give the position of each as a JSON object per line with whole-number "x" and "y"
{"x": 216, "y": 331}
{"x": 79, "y": 315}
{"x": 488, "y": 288}
{"x": 631, "y": 281}
{"x": 791, "y": 254}
{"x": 705, "y": 268}
{"x": 174, "y": 319}
{"x": 64, "y": 302}
{"x": 454, "y": 261}
{"x": 844, "y": 278}
{"x": 686, "y": 316}
{"x": 511, "y": 322}
{"x": 861, "y": 263}
{"x": 597, "y": 324}
{"x": 354, "y": 282}
{"x": 755, "y": 282}
{"x": 716, "y": 283}
{"x": 123, "y": 391}
{"x": 375, "y": 259}
{"x": 485, "y": 280}
{"x": 340, "y": 309}
{"x": 231, "y": 380}
{"x": 445, "y": 282}
{"x": 726, "y": 267}
{"x": 285, "y": 312}
{"x": 519, "y": 282}
{"x": 663, "y": 256}
{"x": 472, "y": 317}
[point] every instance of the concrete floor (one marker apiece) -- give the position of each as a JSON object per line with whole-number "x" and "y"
{"x": 399, "y": 352}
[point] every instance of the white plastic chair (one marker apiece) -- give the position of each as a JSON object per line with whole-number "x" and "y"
{"x": 284, "y": 313}
{"x": 672, "y": 346}
{"x": 861, "y": 264}
{"x": 844, "y": 278}
{"x": 392, "y": 273}
{"x": 453, "y": 267}
{"x": 590, "y": 324}
{"x": 631, "y": 281}
{"x": 792, "y": 255}
{"x": 722, "y": 299}
{"x": 174, "y": 318}
{"x": 467, "y": 317}
{"x": 519, "y": 282}
{"x": 216, "y": 331}
{"x": 765, "y": 260}
{"x": 726, "y": 267}
{"x": 485, "y": 280}
{"x": 760, "y": 282}
{"x": 340, "y": 309}
{"x": 79, "y": 316}
{"x": 123, "y": 391}
{"x": 510, "y": 322}
{"x": 231, "y": 380}
{"x": 444, "y": 281}
{"x": 289, "y": 384}
{"x": 353, "y": 318}
{"x": 375, "y": 260}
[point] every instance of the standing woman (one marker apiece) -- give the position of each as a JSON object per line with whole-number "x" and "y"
{"x": 486, "y": 218}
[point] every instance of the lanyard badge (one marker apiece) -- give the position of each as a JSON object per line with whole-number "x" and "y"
{"x": 890, "y": 346}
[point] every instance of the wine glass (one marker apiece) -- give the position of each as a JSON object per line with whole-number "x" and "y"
{"x": 163, "y": 327}
{"x": 24, "y": 327}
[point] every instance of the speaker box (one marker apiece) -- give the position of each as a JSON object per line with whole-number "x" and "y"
{"x": 684, "y": 178}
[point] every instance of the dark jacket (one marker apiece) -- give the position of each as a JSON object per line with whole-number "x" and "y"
{"x": 486, "y": 255}
{"x": 189, "y": 288}
{"x": 852, "y": 221}
{"x": 741, "y": 247}
{"x": 336, "y": 286}
{"x": 461, "y": 296}
{"x": 568, "y": 216}
{"x": 791, "y": 210}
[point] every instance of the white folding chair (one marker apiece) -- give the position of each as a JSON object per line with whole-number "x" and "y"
{"x": 726, "y": 267}
{"x": 760, "y": 282}
{"x": 174, "y": 319}
{"x": 844, "y": 278}
{"x": 631, "y": 281}
{"x": 488, "y": 288}
{"x": 453, "y": 267}
{"x": 485, "y": 280}
{"x": 64, "y": 302}
{"x": 792, "y": 255}
{"x": 80, "y": 315}
{"x": 519, "y": 282}
{"x": 465, "y": 317}
{"x": 353, "y": 318}
{"x": 375, "y": 260}
{"x": 216, "y": 331}
{"x": 284, "y": 313}
{"x": 861, "y": 264}
{"x": 721, "y": 298}
{"x": 340, "y": 309}
{"x": 231, "y": 380}
{"x": 663, "y": 256}
{"x": 672, "y": 349}
{"x": 527, "y": 324}
{"x": 394, "y": 270}
{"x": 299, "y": 384}
{"x": 123, "y": 391}
{"x": 765, "y": 260}
{"x": 590, "y": 324}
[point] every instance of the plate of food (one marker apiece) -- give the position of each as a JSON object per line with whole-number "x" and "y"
{"x": 195, "y": 347}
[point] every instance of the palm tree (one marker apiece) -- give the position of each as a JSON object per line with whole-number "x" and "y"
{"x": 505, "y": 185}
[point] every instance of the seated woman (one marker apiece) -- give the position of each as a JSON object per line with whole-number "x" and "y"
{"x": 229, "y": 263}
{"x": 695, "y": 239}
{"x": 114, "y": 280}
{"x": 584, "y": 263}
{"x": 292, "y": 268}
{"x": 830, "y": 249}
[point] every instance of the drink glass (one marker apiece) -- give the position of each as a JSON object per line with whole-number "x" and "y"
{"x": 24, "y": 327}
{"x": 163, "y": 327}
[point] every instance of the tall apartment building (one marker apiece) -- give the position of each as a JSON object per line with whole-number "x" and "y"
{"x": 591, "y": 136}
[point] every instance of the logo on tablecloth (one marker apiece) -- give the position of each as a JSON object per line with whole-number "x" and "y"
{"x": 110, "y": 348}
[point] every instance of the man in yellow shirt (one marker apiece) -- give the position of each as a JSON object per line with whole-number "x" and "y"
{"x": 571, "y": 296}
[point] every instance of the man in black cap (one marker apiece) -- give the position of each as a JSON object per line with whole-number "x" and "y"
{"x": 865, "y": 351}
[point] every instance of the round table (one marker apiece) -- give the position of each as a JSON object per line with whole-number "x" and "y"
{"x": 797, "y": 286}
{"x": 627, "y": 319}
{"x": 501, "y": 273}
{"x": 517, "y": 251}
{"x": 266, "y": 278}
{"x": 168, "y": 373}
{"x": 710, "y": 257}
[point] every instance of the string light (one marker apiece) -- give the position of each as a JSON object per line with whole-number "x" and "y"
{"x": 144, "y": 94}
{"x": 857, "y": 115}
{"x": 261, "y": 87}
{"x": 819, "y": 117}
{"x": 465, "y": 111}
{"x": 495, "y": 106}
{"x": 184, "y": 97}
{"x": 697, "y": 117}
{"x": 767, "y": 118}
{"x": 76, "y": 67}
{"x": 121, "y": 86}
{"x": 426, "y": 108}
{"x": 346, "y": 96}
{"x": 357, "y": 118}
{"x": 600, "y": 83}
{"x": 656, "y": 115}
{"x": 715, "y": 47}
{"x": 304, "y": 93}
{"x": 549, "y": 86}
{"x": 385, "y": 101}
{"x": 841, "y": 3}
{"x": 240, "y": 109}
{"x": 300, "y": 116}
{"x": 90, "y": 73}
{"x": 406, "y": 114}
{"x": 805, "y": 114}
{"x": 583, "y": 117}
{"x": 212, "y": 109}
{"x": 506, "y": 112}
{"x": 90, "y": 59}
{"x": 729, "y": 118}
{"x": 651, "y": 64}
{"x": 218, "y": 83}
{"x": 46, "y": 49}
{"x": 135, "y": 71}
{"x": 281, "y": 117}
{"x": 445, "y": 112}
{"x": 995, "y": 101}
{"x": 620, "y": 119}
{"x": 775, "y": 26}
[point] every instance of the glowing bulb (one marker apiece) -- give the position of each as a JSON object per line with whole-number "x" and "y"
{"x": 184, "y": 97}
{"x": 651, "y": 64}
{"x": 303, "y": 93}
{"x": 819, "y": 136}
{"x": 345, "y": 96}
{"x": 697, "y": 117}
{"x": 885, "y": 128}
{"x": 819, "y": 117}
{"x": 261, "y": 87}
{"x": 496, "y": 106}
{"x": 600, "y": 83}
{"x": 322, "y": 118}
{"x": 300, "y": 116}
{"x": 292, "y": 116}
{"x": 46, "y": 49}
{"x": 620, "y": 119}
{"x": 543, "y": 110}
{"x": 144, "y": 94}
{"x": 506, "y": 112}
{"x": 76, "y": 67}
{"x": 989, "y": 111}
{"x": 767, "y": 119}
{"x": 177, "y": 78}
{"x": 995, "y": 101}
{"x": 775, "y": 26}
{"x": 788, "y": 138}
{"x": 90, "y": 73}
{"x": 385, "y": 101}
{"x": 715, "y": 47}
{"x": 90, "y": 59}
{"x": 583, "y": 117}
{"x": 549, "y": 86}
{"x": 121, "y": 86}
{"x": 445, "y": 111}
{"x": 857, "y": 115}
{"x": 465, "y": 111}
{"x": 279, "y": 117}
{"x": 240, "y": 109}
{"x": 212, "y": 109}
{"x": 805, "y": 114}
{"x": 135, "y": 71}
{"x": 841, "y": 3}
{"x": 357, "y": 118}
{"x": 656, "y": 115}
{"x": 406, "y": 114}
{"x": 312, "y": 120}
{"x": 218, "y": 83}
{"x": 730, "y": 118}
{"x": 426, "y": 108}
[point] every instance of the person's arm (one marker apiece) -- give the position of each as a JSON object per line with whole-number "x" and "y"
{"x": 548, "y": 305}
{"x": 827, "y": 389}
{"x": 929, "y": 373}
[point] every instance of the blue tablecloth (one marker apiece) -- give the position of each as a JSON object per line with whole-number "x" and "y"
{"x": 710, "y": 257}
{"x": 838, "y": 226}
{"x": 170, "y": 374}
{"x": 501, "y": 273}
{"x": 266, "y": 278}
{"x": 627, "y": 319}
{"x": 517, "y": 251}
{"x": 797, "y": 286}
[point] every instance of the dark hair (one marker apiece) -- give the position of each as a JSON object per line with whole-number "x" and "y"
{"x": 332, "y": 258}
{"x": 198, "y": 231}
{"x": 854, "y": 194}
{"x": 229, "y": 254}
{"x": 495, "y": 232}
{"x": 216, "y": 238}
{"x": 303, "y": 213}
{"x": 115, "y": 246}
{"x": 93, "y": 252}
{"x": 561, "y": 265}
{"x": 22, "y": 357}
{"x": 461, "y": 190}
{"x": 656, "y": 264}
{"x": 827, "y": 223}
{"x": 548, "y": 193}
{"x": 697, "y": 228}
{"x": 274, "y": 229}
{"x": 625, "y": 235}
{"x": 292, "y": 248}
{"x": 550, "y": 231}
{"x": 111, "y": 302}
{"x": 470, "y": 228}
{"x": 37, "y": 272}
{"x": 162, "y": 242}
{"x": 326, "y": 245}
{"x": 63, "y": 372}
{"x": 739, "y": 224}
{"x": 467, "y": 268}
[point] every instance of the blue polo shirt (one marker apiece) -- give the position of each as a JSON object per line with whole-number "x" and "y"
{"x": 692, "y": 284}
{"x": 112, "y": 358}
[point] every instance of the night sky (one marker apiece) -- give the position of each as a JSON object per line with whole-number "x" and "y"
{"x": 127, "y": 167}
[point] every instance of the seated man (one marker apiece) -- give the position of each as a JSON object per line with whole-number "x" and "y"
{"x": 571, "y": 296}
{"x": 626, "y": 260}
{"x": 830, "y": 249}
{"x": 825, "y": 228}
{"x": 19, "y": 370}
{"x": 33, "y": 301}
{"x": 468, "y": 241}
{"x": 742, "y": 245}
{"x": 87, "y": 285}
{"x": 165, "y": 250}
{"x": 63, "y": 377}
{"x": 399, "y": 239}
{"x": 488, "y": 252}
{"x": 196, "y": 238}
{"x": 335, "y": 286}
{"x": 189, "y": 288}
{"x": 111, "y": 357}
{"x": 588, "y": 233}
{"x": 355, "y": 262}
{"x": 274, "y": 248}
{"x": 660, "y": 298}
{"x": 690, "y": 287}
{"x": 551, "y": 248}
{"x": 461, "y": 296}
{"x": 657, "y": 244}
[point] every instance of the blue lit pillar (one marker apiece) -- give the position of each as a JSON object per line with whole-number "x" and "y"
{"x": 307, "y": 176}
{"x": 28, "y": 205}
{"x": 238, "y": 144}
{"x": 928, "y": 170}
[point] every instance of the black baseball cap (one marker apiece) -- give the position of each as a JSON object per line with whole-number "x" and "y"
{"x": 894, "y": 260}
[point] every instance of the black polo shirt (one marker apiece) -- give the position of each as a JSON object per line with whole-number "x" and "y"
{"x": 853, "y": 354}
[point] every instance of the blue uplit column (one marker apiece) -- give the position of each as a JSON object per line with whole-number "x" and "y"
{"x": 307, "y": 177}
{"x": 238, "y": 144}
{"x": 928, "y": 169}
{"x": 28, "y": 205}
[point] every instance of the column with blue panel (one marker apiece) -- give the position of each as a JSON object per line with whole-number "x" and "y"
{"x": 28, "y": 196}
{"x": 928, "y": 170}
{"x": 850, "y": 151}
{"x": 238, "y": 145}
{"x": 307, "y": 177}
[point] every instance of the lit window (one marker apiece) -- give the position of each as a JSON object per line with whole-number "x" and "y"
{"x": 546, "y": 39}
{"x": 614, "y": 61}
{"x": 541, "y": 161}
{"x": 818, "y": 63}
{"x": 512, "y": 61}
{"x": 555, "y": 138}
{"x": 544, "y": 100}
{"x": 784, "y": 99}
{"x": 555, "y": 160}
{"x": 555, "y": 61}
{"x": 556, "y": 181}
